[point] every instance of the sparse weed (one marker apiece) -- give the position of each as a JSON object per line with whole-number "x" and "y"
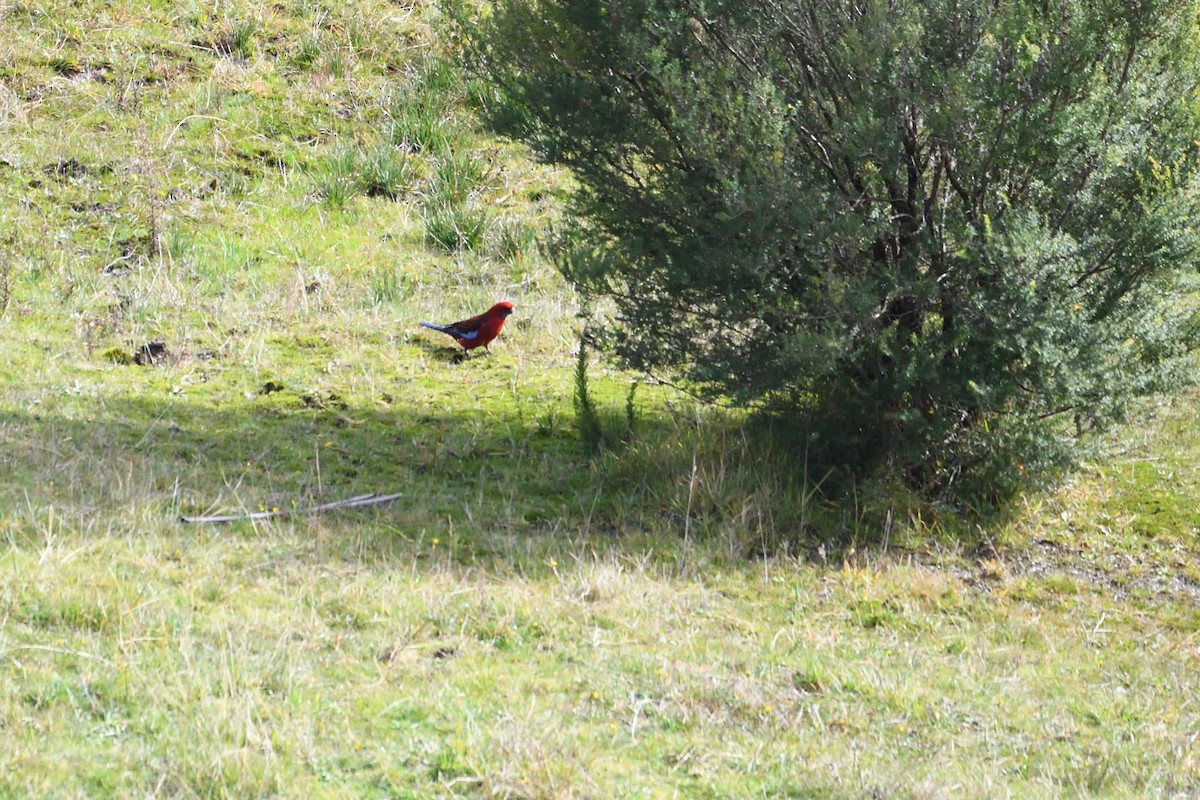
{"x": 513, "y": 239}
{"x": 387, "y": 285}
{"x": 337, "y": 64}
{"x": 631, "y": 411}
{"x": 148, "y": 170}
{"x": 10, "y": 104}
{"x": 5, "y": 280}
{"x": 358, "y": 36}
{"x": 232, "y": 183}
{"x": 179, "y": 243}
{"x": 587, "y": 419}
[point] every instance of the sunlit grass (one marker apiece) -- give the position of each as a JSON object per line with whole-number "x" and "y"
{"x": 678, "y": 614}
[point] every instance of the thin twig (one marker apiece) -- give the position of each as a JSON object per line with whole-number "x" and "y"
{"x": 41, "y": 648}
{"x": 275, "y": 513}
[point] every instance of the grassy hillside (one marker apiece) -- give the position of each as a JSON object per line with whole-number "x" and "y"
{"x": 220, "y": 225}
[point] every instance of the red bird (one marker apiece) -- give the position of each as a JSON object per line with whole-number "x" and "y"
{"x": 478, "y": 330}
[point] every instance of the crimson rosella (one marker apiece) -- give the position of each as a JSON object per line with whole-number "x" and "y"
{"x": 478, "y": 330}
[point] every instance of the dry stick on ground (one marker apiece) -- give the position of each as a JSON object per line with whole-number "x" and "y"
{"x": 360, "y": 501}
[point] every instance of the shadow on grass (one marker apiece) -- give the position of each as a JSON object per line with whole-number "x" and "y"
{"x": 449, "y": 355}
{"x": 275, "y": 448}
{"x": 493, "y": 480}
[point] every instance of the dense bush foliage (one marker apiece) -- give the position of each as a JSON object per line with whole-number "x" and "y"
{"x": 944, "y": 238}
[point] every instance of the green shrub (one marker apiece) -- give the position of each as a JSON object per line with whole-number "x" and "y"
{"x": 943, "y": 241}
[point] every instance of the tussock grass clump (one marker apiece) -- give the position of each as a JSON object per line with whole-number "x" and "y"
{"x": 307, "y": 52}
{"x": 383, "y": 171}
{"x": 421, "y": 126}
{"x": 424, "y": 109}
{"x": 456, "y": 228}
{"x": 337, "y": 179}
{"x": 236, "y": 38}
{"x": 458, "y": 176}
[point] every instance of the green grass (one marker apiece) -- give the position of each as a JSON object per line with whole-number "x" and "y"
{"x": 680, "y": 615}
